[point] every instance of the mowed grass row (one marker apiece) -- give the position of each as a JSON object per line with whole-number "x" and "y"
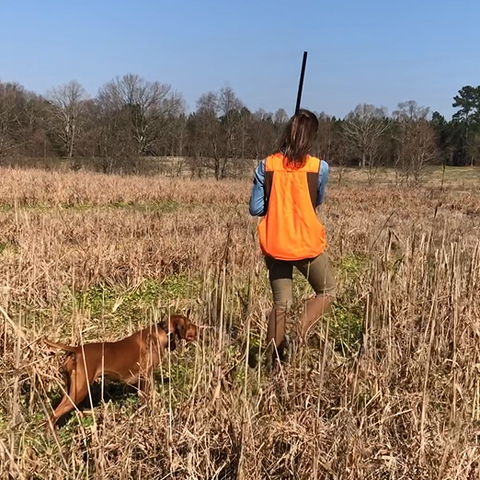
{"x": 85, "y": 257}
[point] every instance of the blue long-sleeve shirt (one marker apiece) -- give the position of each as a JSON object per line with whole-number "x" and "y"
{"x": 257, "y": 205}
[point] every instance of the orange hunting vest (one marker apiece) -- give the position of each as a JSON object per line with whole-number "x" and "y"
{"x": 290, "y": 229}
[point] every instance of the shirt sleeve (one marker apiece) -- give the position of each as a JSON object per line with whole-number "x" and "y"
{"x": 257, "y": 197}
{"x": 322, "y": 181}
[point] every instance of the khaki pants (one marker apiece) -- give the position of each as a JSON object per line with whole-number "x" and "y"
{"x": 317, "y": 271}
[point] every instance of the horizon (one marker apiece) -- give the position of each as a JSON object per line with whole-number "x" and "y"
{"x": 391, "y": 54}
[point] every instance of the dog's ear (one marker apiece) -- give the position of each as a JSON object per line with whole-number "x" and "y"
{"x": 171, "y": 344}
{"x": 179, "y": 327}
{"x": 168, "y": 328}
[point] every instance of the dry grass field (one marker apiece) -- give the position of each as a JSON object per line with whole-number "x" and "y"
{"x": 86, "y": 257}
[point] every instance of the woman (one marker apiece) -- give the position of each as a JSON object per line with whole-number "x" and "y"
{"x": 287, "y": 188}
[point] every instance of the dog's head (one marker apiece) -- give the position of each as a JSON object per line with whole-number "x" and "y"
{"x": 182, "y": 327}
{"x": 178, "y": 327}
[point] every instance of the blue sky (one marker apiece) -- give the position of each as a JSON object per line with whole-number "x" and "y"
{"x": 371, "y": 51}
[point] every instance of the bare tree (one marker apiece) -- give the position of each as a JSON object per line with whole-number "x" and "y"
{"x": 280, "y": 118}
{"x": 325, "y": 136}
{"x": 220, "y": 130}
{"x": 363, "y": 129}
{"x": 410, "y": 110}
{"x": 262, "y": 134}
{"x": 12, "y": 105}
{"x": 67, "y": 105}
{"x": 34, "y": 132}
{"x": 145, "y": 108}
{"x": 206, "y": 134}
{"x": 115, "y": 146}
{"x": 416, "y": 141}
{"x": 232, "y": 121}
{"x": 330, "y": 144}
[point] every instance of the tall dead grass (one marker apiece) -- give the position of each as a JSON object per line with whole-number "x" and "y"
{"x": 406, "y": 405}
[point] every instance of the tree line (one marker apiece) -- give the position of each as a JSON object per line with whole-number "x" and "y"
{"x": 132, "y": 120}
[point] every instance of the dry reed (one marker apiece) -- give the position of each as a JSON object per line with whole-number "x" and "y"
{"x": 92, "y": 257}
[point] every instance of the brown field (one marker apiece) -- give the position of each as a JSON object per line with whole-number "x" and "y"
{"x": 91, "y": 257}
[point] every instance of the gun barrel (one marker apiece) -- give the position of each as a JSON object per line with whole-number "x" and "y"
{"x": 300, "y": 85}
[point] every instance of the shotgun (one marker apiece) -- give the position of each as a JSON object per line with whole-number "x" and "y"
{"x": 300, "y": 85}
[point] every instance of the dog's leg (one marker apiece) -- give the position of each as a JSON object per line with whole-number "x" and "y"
{"x": 64, "y": 407}
{"x": 150, "y": 360}
{"x": 146, "y": 385}
{"x": 78, "y": 389}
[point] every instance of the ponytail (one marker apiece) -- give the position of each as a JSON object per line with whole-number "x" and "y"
{"x": 298, "y": 137}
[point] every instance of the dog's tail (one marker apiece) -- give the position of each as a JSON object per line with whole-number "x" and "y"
{"x": 61, "y": 346}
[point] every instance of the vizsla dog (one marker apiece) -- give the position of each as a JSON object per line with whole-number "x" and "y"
{"x": 127, "y": 360}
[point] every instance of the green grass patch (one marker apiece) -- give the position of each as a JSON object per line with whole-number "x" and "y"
{"x": 346, "y": 317}
{"x": 114, "y": 305}
{"x": 8, "y": 248}
{"x": 346, "y": 327}
{"x": 127, "y": 304}
{"x": 455, "y": 173}
{"x": 351, "y": 265}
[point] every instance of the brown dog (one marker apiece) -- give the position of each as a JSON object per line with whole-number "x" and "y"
{"x": 127, "y": 360}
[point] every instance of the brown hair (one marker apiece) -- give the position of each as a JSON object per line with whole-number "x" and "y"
{"x": 298, "y": 137}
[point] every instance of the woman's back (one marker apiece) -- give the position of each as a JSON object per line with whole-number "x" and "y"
{"x": 290, "y": 229}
